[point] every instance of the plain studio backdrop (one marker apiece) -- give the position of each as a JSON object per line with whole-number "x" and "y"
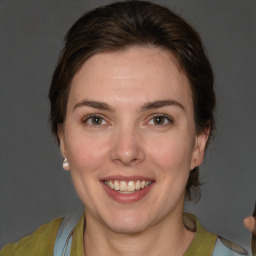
{"x": 34, "y": 188}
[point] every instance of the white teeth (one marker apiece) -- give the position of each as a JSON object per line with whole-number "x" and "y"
{"x": 116, "y": 185}
{"x": 123, "y": 186}
{"x": 111, "y": 184}
{"x": 130, "y": 186}
{"x": 137, "y": 185}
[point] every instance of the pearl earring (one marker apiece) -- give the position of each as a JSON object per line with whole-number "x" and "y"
{"x": 65, "y": 164}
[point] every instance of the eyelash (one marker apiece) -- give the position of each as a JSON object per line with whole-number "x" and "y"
{"x": 90, "y": 117}
{"x": 167, "y": 120}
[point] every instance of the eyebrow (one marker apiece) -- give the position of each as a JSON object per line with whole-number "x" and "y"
{"x": 160, "y": 104}
{"x": 93, "y": 104}
{"x": 147, "y": 106}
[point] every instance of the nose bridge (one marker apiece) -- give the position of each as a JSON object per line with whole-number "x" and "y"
{"x": 127, "y": 145}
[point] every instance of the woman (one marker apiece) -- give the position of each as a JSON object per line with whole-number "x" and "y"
{"x": 132, "y": 106}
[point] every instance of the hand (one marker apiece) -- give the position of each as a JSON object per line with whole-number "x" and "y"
{"x": 250, "y": 223}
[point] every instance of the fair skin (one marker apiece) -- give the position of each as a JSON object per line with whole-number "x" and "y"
{"x": 130, "y": 121}
{"x": 250, "y": 223}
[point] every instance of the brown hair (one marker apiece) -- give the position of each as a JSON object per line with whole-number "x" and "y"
{"x": 120, "y": 25}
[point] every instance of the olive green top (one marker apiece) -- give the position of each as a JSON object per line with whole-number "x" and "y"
{"x": 41, "y": 242}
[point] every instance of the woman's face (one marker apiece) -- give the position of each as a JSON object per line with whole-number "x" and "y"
{"x": 130, "y": 138}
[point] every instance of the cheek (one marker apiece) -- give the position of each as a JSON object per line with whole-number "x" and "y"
{"x": 170, "y": 152}
{"x": 86, "y": 153}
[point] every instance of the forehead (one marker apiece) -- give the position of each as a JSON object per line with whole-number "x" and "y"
{"x": 134, "y": 75}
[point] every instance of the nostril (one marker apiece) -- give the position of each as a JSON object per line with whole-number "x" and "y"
{"x": 127, "y": 154}
{"x": 127, "y": 146}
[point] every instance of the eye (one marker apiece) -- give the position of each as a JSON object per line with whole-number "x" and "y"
{"x": 95, "y": 120}
{"x": 160, "y": 120}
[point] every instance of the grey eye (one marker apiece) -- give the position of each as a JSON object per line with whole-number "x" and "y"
{"x": 96, "y": 120}
{"x": 160, "y": 120}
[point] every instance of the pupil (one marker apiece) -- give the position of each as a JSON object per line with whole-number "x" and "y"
{"x": 159, "y": 120}
{"x": 96, "y": 120}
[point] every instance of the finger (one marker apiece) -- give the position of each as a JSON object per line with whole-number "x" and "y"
{"x": 250, "y": 223}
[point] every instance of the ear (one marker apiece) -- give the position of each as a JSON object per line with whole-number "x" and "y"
{"x": 62, "y": 144}
{"x": 199, "y": 148}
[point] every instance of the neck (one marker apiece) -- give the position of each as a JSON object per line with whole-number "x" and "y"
{"x": 168, "y": 237}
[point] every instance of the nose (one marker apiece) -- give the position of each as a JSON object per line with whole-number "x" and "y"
{"x": 127, "y": 147}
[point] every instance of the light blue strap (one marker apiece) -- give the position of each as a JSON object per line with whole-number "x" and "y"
{"x": 64, "y": 237}
{"x": 222, "y": 250}
{"x": 64, "y": 240}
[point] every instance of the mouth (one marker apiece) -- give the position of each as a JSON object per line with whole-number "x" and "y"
{"x": 127, "y": 187}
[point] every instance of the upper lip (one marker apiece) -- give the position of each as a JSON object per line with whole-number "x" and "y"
{"x": 126, "y": 178}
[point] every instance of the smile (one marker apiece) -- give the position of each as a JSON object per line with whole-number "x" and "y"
{"x": 127, "y": 187}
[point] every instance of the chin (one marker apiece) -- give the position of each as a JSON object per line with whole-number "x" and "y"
{"x": 127, "y": 224}
{"x": 127, "y": 228}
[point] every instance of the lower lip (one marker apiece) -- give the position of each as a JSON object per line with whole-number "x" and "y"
{"x": 127, "y": 198}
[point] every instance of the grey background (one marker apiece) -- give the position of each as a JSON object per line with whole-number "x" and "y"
{"x": 33, "y": 187}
